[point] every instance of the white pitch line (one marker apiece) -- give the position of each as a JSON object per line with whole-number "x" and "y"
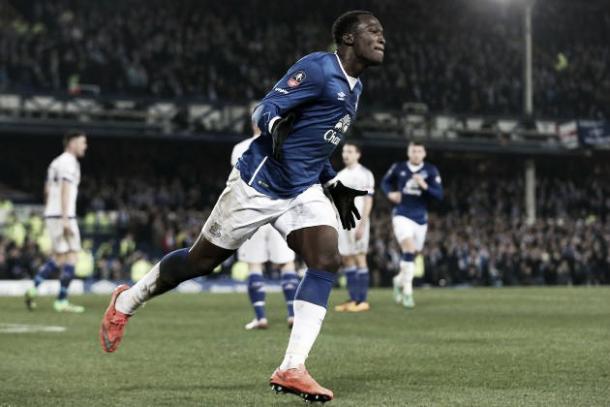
{"x": 25, "y": 328}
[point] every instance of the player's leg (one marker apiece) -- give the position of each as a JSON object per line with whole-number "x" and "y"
{"x": 282, "y": 260}
{"x": 346, "y": 243}
{"x": 404, "y": 230}
{"x": 407, "y": 270}
{"x": 410, "y": 247}
{"x": 53, "y": 228}
{"x": 254, "y": 252}
{"x": 317, "y": 246}
{"x": 256, "y": 293}
{"x": 289, "y": 282}
{"x": 68, "y": 270}
{"x": 44, "y": 272}
{"x": 66, "y": 276}
{"x": 362, "y": 284}
{"x": 227, "y": 227}
{"x": 311, "y": 227}
{"x": 362, "y": 271}
{"x": 349, "y": 269}
{"x": 174, "y": 268}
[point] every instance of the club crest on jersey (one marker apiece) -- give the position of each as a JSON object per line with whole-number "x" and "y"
{"x": 343, "y": 125}
{"x": 296, "y": 79}
{"x": 333, "y": 135}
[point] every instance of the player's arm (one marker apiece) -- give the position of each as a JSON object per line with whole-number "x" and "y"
{"x": 328, "y": 173}
{"x": 65, "y": 203}
{"x": 66, "y": 178}
{"x": 46, "y": 192}
{"x": 368, "y": 199}
{"x": 367, "y": 206}
{"x": 388, "y": 185}
{"x": 435, "y": 186}
{"x": 276, "y": 114}
{"x": 234, "y": 156}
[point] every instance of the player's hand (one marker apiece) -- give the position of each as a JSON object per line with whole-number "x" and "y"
{"x": 360, "y": 230}
{"x": 67, "y": 229}
{"x": 281, "y": 128}
{"x": 395, "y": 197}
{"x": 343, "y": 198}
{"x": 420, "y": 181}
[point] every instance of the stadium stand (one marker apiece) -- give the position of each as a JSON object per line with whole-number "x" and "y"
{"x": 228, "y": 51}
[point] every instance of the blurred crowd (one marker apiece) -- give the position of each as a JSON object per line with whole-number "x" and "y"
{"x": 455, "y": 56}
{"x": 477, "y": 236}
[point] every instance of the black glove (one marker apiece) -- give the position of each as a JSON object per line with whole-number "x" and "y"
{"x": 343, "y": 198}
{"x": 281, "y": 128}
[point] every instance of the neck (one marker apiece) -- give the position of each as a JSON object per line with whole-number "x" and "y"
{"x": 352, "y": 165}
{"x": 351, "y": 63}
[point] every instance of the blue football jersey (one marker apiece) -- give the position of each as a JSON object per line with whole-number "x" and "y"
{"x": 414, "y": 203}
{"x": 325, "y": 99}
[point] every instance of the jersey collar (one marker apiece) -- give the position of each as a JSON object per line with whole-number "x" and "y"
{"x": 415, "y": 168}
{"x": 350, "y": 79}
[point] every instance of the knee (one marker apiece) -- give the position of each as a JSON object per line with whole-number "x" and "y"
{"x": 200, "y": 265}
{"x": 327, "y": 261}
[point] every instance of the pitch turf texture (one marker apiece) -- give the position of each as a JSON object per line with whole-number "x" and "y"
{"x": 476, "y": 347}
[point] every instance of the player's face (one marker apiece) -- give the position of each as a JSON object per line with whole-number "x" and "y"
{"x": 416, "y": 154}
{"x": 79, "y": 146}
{"x": 350, "y": 155}
{"x": 369, "y": 42}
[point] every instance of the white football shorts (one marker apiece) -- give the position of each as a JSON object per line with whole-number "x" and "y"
{"x": 266, "y": 244}
{"x": 59, "y": 242}
{"x": 349, "y": 246}
{"x": 241, "y": 210}
{"x": 406, "y": 228}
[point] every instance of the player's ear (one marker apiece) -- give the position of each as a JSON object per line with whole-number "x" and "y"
{"x": 348, "y": 39}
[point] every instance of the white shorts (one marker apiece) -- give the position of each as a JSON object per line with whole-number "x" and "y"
{"x": 406, "y": 228}
{"x": 266, "y": 244}
{"x": 60, "y": 243}
{"x": 241, "y": 210}
{"x": 349, "y": 246}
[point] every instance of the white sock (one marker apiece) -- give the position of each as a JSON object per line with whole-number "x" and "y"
{"x": 408, "y": 271}
{"x": 130, "y": 300}
{"x": 398, "y": 278}
{"x": 308, "y": 319}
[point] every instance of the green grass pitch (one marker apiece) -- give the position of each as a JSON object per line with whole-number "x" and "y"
{"x": 476, "y": 347}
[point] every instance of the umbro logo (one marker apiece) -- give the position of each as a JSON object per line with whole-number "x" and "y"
{"x": 341, "y": 96}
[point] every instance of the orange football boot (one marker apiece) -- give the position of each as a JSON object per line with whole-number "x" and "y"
{"x": 299, "y": 382}
{"x": 113, "y": 323}
{"x": 360, "y": 307}
{"x": 345, "y": 306}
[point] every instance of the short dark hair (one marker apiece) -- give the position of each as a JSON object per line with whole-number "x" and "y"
{"x": 345, "y": 23}
{"x": 355, "y": 144}
{"x": 417, "y": 143}
{"x": 71, "y": 134}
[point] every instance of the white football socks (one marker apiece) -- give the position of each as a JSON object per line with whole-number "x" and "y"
{"x": 130, "y": 300}
{"x": 407, "y": 269}
{"x": 308, "y": 319}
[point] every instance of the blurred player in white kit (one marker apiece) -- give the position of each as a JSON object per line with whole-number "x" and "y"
{"x": 266, "y": 245}
{"x": 61, "y": 191}
{"x": 354, "y": 243}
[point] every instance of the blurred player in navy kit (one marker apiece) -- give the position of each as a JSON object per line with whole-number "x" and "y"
{"x": 409, "y": 185}
{"x": 279, "y": 181}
